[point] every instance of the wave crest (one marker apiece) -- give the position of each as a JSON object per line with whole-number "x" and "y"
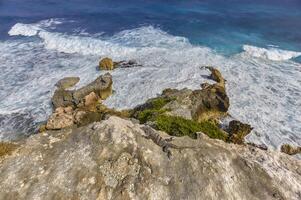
{"x": 270, "y": 53}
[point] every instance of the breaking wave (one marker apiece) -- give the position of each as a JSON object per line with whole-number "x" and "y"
{"x": 263, "y": 92}
{"x": 270, "y": 53}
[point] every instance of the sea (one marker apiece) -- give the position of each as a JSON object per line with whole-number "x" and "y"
{"x": 256, "y": 44}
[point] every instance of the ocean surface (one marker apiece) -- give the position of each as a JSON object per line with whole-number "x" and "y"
{"x": 256, "y": 45}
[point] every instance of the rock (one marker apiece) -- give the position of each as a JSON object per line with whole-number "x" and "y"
{"x": 101, "y": 87}
{"x": 210, "y": 102}
{"x": 260, "y": 146}
{"x": 216, "y": 76}
{"x": 106, "y": 64}
{"x": 90, "y": 99}
{"x": 62, "y": 98}
{"x": 113, "y": 160}
{"x": 61, "y": 118}
{"x": 237, "y": 131}
{"x": 67, "y": 82}
{"x": 126, "y": 64}
{"x": 290, "y": 150}
{"x": 6, "y": 148}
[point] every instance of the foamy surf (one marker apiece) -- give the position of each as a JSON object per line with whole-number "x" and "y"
{"x": 32, "y": 29}
{"x": 264, "y": 93}
{"x": 270, "y": 53}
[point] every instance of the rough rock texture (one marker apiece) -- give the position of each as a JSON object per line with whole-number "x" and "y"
{"x": 67, "y": 82}
{"x": 106, "y": 64}
{"x": 113, "y": 160}
{"x": 61, "y": 118}
{"x": 237, "y": 131}
{"x": 126, "y": 64}
{"x": 102, "y": 87}
{"x": 209, "y": 102}
{"x": 290, "y": 150}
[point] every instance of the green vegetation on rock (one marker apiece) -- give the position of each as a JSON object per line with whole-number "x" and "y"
{"x": 178, "y": 126}
{"x": 153, "y": 110}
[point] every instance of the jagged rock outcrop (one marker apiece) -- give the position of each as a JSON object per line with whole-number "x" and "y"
{"x": 106, "y": 64}
{"x": 209, "y": 102}
{"x": 237, "y": 131}
{"x": 102, "y": 87}
{"x": 112, "y": 159}
{"x": 109, "y": 64}
{"x": 290, "y": 149}
{"x": 67, "y": 82}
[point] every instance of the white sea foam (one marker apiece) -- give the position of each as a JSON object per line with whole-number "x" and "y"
{"x": 270, "y": 53}
{"x": 264, "y": 93}
{"x": 32, "y": 29}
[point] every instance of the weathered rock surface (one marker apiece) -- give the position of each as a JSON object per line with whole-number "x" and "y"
{"x": 209, "y": 102}
{"x": 61, "y": 118}
{"x": 102, "y": 87}
{"x": 112, "y": 160}
{"x": 290, "y": 150}
{"x": 106, "y": 64}
{"x": 126, "y": 64}
{"x": 67, "y": 82}
{"x": 237, "y": 131}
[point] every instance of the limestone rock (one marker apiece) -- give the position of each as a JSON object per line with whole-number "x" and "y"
{"x": 61, "y": 118}
{"x": 290, "y": 150}
{"x": 216, "y": 76}
{"x": 101, "y": 87}
{"x": 90, "y": 99}
{"x": 106, "y": 64}
{"x": 67, "y": 82}
{"x": 62, "y": 98}
{"x": 237, "y": 131}
{"x": 113, "y": 160}
{"x": 210, "y": 102}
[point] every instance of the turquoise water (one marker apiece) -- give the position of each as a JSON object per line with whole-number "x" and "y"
{"x": 222, "y": 25}
{"x": 256, "y": 45}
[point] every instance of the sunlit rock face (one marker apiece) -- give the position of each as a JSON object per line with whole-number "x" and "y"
{"x": 112, "y": 159}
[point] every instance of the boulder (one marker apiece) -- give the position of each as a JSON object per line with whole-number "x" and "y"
{"x": 101, "y": 87}
{"x": 90, "y": 99}
{"x": 62, "y": 98}
{"x": 113, "y": 159}
{"x": 290, "y": 150}
{"x": 67, "y": 82}
{"x": 106, "y": 64}
{"x": 237, "y": 131}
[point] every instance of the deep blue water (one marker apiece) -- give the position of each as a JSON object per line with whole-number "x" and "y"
{"x": 223, "y": 25}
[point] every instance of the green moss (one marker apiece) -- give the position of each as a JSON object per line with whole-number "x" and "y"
{"x": 159, "y": 102}
{"x": 6, "y": 148}
{"x": 212, "y": 130}
{"x": 178, "y": 126}
{"x": 149, "y": 115}
{"x": 151, "y": 109}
